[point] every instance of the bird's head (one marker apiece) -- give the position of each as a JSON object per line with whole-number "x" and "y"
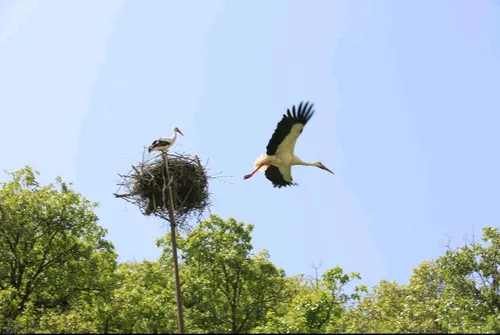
{"x": 321, "y": 166}
{"x": 178, "y": 131}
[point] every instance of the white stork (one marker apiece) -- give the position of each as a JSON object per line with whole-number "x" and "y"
{"x": 164, "y": 143}
{"x": 278, "y": 161}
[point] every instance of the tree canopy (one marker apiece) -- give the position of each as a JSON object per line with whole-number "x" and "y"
{"x": 59, "y": 273}
{"x": 55, "y": 258}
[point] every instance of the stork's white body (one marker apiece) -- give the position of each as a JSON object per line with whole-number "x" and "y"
{"x": 278, "y": 161}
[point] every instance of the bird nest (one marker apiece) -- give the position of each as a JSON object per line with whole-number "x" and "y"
{"x": 167, "y": 182}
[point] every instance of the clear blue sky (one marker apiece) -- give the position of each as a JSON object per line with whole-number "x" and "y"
{"x": 406, "y": 96}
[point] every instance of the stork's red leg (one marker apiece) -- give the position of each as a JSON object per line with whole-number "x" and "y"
{"x": 254, "y": 171}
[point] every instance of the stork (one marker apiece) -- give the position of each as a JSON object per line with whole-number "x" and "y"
{"x": 277, "y": 162}
{"x": 164, "y": 143}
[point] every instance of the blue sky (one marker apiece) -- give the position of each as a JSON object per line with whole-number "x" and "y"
{"x": 406, "y": 116}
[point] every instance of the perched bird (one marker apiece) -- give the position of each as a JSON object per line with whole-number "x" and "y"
{"x": 164, "y": 143}
{"x": 277, "y": 162}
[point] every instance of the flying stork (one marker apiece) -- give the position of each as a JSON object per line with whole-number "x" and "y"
{"x": 164, "y": 143}
{"x": 277, "y": 162}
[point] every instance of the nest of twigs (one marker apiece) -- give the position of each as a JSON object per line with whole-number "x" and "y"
{"x": 168, "y": 179}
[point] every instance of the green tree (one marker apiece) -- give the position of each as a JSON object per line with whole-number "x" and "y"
{"x": 379, "y": 311}
{"x": 317, "y": 306}
{"x": 144, "y": 301}
{"x": 391, "y": 307}
{"x": 457, "y": 293}
{"x": 225, "y": 288}
{"x": 54, "y": 254}
{"x": 472, "y": 291}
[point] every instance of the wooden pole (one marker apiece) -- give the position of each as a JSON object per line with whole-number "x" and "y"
{"x": 180, "y": 314}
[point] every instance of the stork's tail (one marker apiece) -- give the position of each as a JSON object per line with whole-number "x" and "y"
{"x": 262, "y": 158}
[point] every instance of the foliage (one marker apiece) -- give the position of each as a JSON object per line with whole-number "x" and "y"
{"x": 225, "y": 288}
{"x": 472, "y": 275}
{"x": 58, "y": 274}
{"x": 144, "y": 300}
{"x": 317, "y": 306}
{"x": 457, "y": 293}
{"x": 54, "y": 255}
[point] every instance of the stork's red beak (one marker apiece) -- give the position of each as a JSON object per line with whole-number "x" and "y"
{"x": 327, "y": 169}
{"x": 180, "y": 132}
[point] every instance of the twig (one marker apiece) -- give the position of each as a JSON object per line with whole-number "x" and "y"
{"x": 124, "y": 195}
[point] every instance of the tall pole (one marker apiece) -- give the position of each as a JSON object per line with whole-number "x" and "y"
{"x": 180, "y": 314}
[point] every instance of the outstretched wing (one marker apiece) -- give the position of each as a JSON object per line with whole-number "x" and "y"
{"x": 280, "y": 176}
{"x": 289, "y": 128}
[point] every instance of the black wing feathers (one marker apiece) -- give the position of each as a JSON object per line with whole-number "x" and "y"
{"x": 158, "y": 143}
{"x": 300, "y": 115}
{"x": 276, "y": 178}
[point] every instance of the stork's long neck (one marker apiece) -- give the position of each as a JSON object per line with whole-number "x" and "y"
{"x": 175, "y": 136}
{"x": 298, "y": 161}
{"x": 308, "y": 163}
